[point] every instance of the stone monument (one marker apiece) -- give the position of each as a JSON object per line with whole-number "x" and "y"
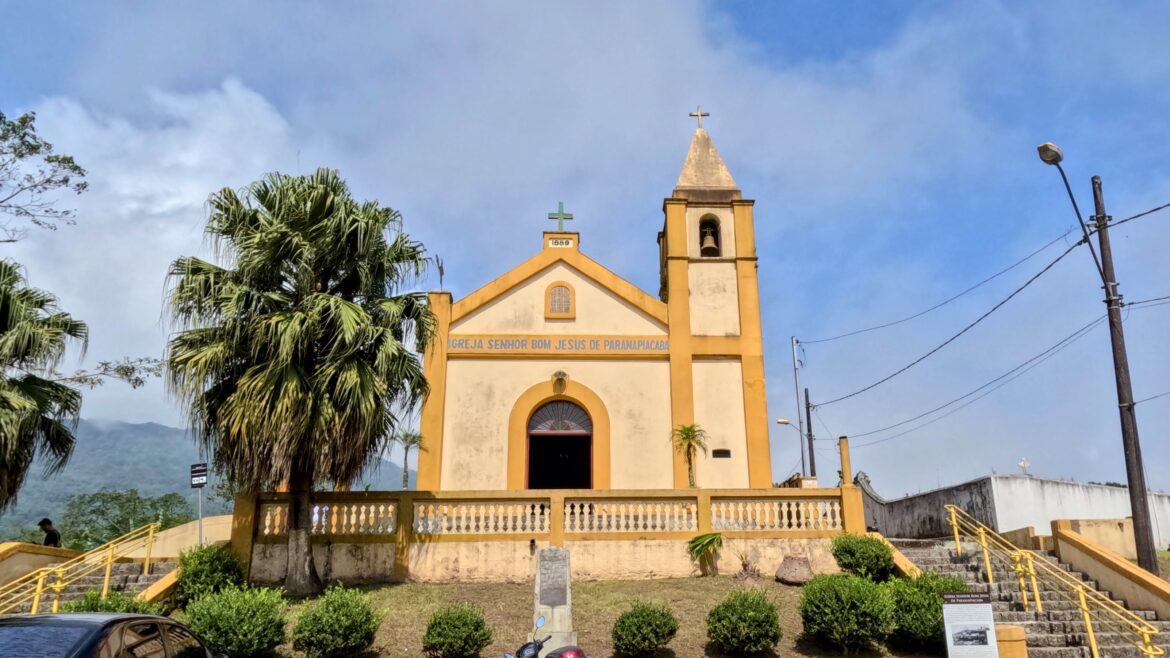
{"x": 554, "y": 598}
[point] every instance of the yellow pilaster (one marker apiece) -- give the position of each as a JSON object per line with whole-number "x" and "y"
{"x": 430, "y": 458}
{"x": 755, "y": 399}
{"x": 244, "y": 528}
{"x": 403, "y": 530}
{"x": 682, "y": 392}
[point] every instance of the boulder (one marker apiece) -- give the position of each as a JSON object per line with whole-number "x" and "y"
{"x": 794, "y": 570}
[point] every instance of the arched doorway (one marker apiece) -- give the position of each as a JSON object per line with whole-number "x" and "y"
{"x": 560, "y": 447}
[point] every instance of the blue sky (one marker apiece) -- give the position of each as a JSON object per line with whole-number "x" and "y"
{"x": 889, "y": 148}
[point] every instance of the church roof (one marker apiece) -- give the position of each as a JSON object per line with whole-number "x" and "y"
{"x": 704, "y": 177}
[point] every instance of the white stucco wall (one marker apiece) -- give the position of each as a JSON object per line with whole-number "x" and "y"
{"x": 714, "y": 299}
{"x": 726, "y": 229}
{"x": 718, "y": 387}
{"x": 1022, "y": 501}
{"x": 521, "y": 310}
{"x": 482, "y": 393}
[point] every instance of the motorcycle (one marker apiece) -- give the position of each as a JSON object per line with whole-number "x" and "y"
{"x": 532, "y": 649}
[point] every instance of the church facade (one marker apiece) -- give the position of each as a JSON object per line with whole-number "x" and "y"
{"x": 560, "y": 374}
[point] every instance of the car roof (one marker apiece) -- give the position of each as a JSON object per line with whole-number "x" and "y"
{"x": 75, "y": 619}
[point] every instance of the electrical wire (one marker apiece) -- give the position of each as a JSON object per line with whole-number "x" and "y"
{"x": 955, "y": 337}
{"x": 1073, "y": 336}
{"x": 945, "y": 301}
{"x": 1153, "y": 397}
{"x": 1140, "y": 214}
{"x": 970, "y": 402}
{"x": 1147, "y": 301}
{"x": 825, "y": 425}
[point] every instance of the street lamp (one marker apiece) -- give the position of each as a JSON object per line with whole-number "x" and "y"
{"x": 799, "y": 440}
{"x": 1139, "y": 503}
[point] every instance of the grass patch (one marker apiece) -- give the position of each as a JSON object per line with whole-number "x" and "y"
{"x": 596, "y": 606}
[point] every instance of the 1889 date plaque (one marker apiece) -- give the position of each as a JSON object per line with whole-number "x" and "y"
{"x": 553, "y": 574}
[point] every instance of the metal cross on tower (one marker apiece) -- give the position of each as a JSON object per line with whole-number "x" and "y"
{"x": 699, "y": 114}
{"x": 560, "y": 215}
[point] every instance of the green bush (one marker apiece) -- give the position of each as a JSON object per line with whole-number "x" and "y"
{"x": 206, "y": 570}
{"x": 744, "y": 623}
{"x": 239, "y": 622}
{"x": 846, "y": 611}
{"x": 642, "y": 629}
{"x": 93, "y": 601}
{"x": 457, "y": 631}
{"x": 918, "y": 620}
{"x": 340, "y": 624}
{"x": 868, "y": 557}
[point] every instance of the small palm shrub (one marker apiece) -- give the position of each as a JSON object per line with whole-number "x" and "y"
{"x": 457, "y": 631}
{"x": 205, "y": 570}
{"x": 744, "y": 623}
{"x": 918, "y": 618}
{"x": 341, "y": 623}
{"x": 845, "y": 611}
{"x": 865, "y": 556}
{"x": 643, "y": 629}
{"x": 93, "y": 601}
{"x": 702, "y": 549}
{"x": 243, "y": 623}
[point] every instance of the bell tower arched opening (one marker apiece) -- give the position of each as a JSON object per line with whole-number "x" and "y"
{"x": 560, "y": 447}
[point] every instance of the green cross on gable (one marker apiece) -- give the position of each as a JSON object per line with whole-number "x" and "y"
{"x": 560, "y": 215}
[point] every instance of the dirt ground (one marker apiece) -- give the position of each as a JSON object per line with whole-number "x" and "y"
{"x": 596, "y": 605}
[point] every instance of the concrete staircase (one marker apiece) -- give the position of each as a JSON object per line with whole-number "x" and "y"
{"x": 1058, "y": 632}
{"x": 125, "y": 577}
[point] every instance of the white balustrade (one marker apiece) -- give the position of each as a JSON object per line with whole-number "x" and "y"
{"x": 489, "y": 517}
{"x": 643, "y": 516}
{"x": 777, "y": 514}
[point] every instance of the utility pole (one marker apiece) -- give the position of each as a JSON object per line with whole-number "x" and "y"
{"x": 1134, "y": 471}
{"x": 812, "y": 460}
{"x": 796, "y": 390}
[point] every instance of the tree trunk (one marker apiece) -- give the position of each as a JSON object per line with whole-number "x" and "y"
{"x": 691, "y": 469}
{"x": 405, "y": 468}
{"x": 301, "y": 578}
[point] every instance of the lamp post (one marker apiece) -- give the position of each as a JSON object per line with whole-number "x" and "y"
{"x": 799, "y": 442}
{"x": 1135, "y": 474}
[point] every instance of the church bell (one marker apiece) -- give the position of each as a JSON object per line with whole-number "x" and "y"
{"x": 708, "y": 247}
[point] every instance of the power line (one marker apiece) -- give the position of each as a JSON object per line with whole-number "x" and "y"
{"x": 1071, "y": 337}
{"x": 952, "y": 339}
{"x": 1140, "y": 214}
{"x": 946, "y": 301}
{"x": 1147, "y": 301}
{"x": 1153, "y": 397}
{"x": 971, "y": 402}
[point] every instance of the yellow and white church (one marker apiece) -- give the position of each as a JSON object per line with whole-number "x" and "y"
{"x": 561, "y": 374}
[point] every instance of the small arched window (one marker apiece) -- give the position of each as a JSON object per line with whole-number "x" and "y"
{"x": 710, "y": 245}
{"x": 559, "y": 302}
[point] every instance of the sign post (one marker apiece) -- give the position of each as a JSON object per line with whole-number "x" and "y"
{"x": 198, "y": 481}
{"x": 969, "y": 625}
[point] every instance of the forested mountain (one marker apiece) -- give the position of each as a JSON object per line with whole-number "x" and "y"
{"x": 154, "y": 459}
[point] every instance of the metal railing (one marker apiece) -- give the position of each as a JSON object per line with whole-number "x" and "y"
{"x": 1032, "y": 571}
{"x": 31, "y": 588}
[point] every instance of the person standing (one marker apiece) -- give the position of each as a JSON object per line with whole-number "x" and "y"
{"x": 52, "y": 537}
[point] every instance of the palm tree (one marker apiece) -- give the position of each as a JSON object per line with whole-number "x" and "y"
{"x": 297, "y": 357}
{"x": 38, "y": 413}
{"x": 408, "y": 440}
{"x": 689, "y": 440}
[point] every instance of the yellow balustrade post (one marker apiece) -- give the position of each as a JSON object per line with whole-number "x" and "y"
{"x": 986, "y": 555}
{"x": 556, "y": 520}
{"x": 703, "y": 509}
{"x": 36, "y": 603}
{"x": 109, "y": 568}
{"x": 1084, "y": 604}
{"x": 149, "y": 547}
{"x": 403, "y": 532}
{"x": 1035, "y": 585}
{"x": 955, "y": 529}
{"x": 1018, "y": 567}
{"x": 57, "y": 588}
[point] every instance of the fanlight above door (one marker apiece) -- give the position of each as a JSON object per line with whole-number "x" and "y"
{"x": 560, "y": 417}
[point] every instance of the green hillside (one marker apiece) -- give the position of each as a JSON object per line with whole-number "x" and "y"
{"x": 154, "y": 459}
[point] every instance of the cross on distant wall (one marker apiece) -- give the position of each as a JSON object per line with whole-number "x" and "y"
{"x": 560, "y": 215}
{"x": 699, "y": 114}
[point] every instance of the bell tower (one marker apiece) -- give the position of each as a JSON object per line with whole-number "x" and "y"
{"x": 707, "y": 264}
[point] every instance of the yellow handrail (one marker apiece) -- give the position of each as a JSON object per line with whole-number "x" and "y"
{"x": 1031, "y": 568}
{"x": 30, "y": 588}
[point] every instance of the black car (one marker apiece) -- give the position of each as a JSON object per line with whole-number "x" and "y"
{"x": 98, "y": 636}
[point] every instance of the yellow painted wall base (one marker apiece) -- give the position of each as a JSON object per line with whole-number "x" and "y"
{"x": 1011, "y": 641}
